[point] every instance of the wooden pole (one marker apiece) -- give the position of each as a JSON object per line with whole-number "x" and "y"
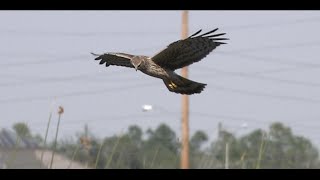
{"x": 185, "y": 104}
{"x": 227, "y": 156}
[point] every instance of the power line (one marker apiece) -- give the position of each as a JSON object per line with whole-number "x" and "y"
{"x": 165, "y": 112}
{"x": 88, "y": 78}
{"x": 298, "y": 63}
{"x": 79, "y": 93}
{"x": 228, "y": 117}
{"x": 217, "y": 87}
{"x": 270, "y": 59}
{"x": 263, "y": 94}
{"x": 104, "y": 118}
{"x": 19, "y": 64}
{"x": 200, "y": 114}
{"x": 280, "y": 70}
{"x": 142, "y": 33}
{"x": 272, "y": 24}
{"x": 257, "y": 76}
{"x": 86, "y": 34}
{"x": 238, "y": 53}
{"x": 282, "y": 46}
{"x": 230, "y": 53}
{"x": 98, "y": 77}
{"x": 95, "y": 120}
{"x": 234, "y": 118}
{"x": 313, "y": 43}
{"x": 55, "y": 60}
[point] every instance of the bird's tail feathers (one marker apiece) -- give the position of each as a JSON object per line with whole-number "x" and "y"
{"x": 182, "y": 85}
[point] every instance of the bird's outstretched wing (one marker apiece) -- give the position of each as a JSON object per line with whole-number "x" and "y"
{"x": 187, "y": 51}
{"x": 117, "y": 59}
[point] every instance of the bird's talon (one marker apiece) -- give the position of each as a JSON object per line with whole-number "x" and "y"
{"x": 172, "y": 85}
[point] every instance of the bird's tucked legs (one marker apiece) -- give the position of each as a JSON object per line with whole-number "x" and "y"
{"x": 172, "y": 85}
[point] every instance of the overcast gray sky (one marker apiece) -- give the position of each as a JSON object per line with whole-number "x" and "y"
{"x": 268, "y": 72}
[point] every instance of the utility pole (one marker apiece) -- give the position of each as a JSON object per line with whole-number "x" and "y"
{"x": 226, "y": 165}
{"x": 219, "y": 130}
{"x": 185, "y": 104}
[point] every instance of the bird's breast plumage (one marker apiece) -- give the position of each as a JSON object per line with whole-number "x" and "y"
{"x": 152, "y": 69}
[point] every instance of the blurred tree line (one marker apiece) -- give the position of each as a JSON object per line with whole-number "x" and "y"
{"x": 275, "y": 148}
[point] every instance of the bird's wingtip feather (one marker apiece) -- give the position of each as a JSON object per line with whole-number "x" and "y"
{"x": 95, "y": 54}
{"x": 98, "y": 56}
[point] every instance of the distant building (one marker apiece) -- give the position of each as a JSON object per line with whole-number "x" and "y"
{"x": 25, "y": 153}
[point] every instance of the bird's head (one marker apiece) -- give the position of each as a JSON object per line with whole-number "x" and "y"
{"x": 136, "y": 62}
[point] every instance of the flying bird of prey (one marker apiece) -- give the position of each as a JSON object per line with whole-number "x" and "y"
{"x": 175, "y": 56}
